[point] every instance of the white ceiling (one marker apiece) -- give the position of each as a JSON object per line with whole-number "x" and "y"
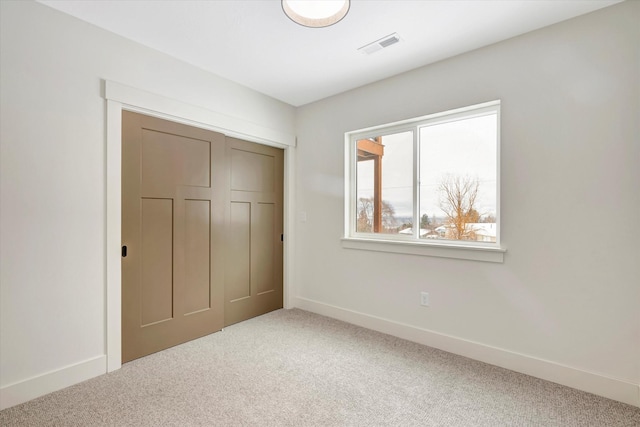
{"x": 253, "y": 43}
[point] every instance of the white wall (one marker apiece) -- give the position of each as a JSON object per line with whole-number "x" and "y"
{"x": 52, "y": 217}
{"x": 564, "y": 304}
{"x": 568, "y": 289}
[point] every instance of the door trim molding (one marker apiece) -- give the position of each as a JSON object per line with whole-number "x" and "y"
{"x": 121, "y": 97}
{"x": 177, "y": 111}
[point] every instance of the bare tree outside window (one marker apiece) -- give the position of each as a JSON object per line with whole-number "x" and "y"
{"x": 365, "y": 216}
{"x": 458, "y": 196}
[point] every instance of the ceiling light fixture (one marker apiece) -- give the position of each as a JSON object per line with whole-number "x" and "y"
{"x": 315, "y": 13}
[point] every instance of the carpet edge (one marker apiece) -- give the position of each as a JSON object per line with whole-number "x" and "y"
{"x": 598, "y": 384}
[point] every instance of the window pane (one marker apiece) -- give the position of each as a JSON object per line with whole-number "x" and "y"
{"x": 458, "y": 179}
{"x": 384, "y": 184}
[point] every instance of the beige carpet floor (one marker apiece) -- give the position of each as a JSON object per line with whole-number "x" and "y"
{"x": 294, "y": 368}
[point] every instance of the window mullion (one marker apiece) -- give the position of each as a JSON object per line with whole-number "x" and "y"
{"x": 416, "y": 185}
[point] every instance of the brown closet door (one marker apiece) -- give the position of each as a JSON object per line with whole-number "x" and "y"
{"x": 175, "y": 185}
{"x": 253, "y": 284}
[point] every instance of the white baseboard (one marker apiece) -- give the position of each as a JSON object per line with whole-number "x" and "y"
{"x": 611, "y": 388}
{"x": 598, "y": 384}
{"x": 23, "y": 391}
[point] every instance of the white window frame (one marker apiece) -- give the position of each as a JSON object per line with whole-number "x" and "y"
{"x": 471, "y": 250}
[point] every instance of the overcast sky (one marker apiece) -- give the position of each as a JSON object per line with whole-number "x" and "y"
{"x": 463, "y": 147}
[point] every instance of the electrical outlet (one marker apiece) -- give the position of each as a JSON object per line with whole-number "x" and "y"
{"x": 424, "y": 298}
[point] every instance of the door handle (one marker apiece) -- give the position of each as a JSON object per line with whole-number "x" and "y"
{"x": 124, "y": 252}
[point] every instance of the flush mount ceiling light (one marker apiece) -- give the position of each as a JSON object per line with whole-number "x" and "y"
{"x": 315, "y": 13}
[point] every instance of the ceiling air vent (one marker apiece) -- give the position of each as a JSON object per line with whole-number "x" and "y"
{"x": 377, "y": 45}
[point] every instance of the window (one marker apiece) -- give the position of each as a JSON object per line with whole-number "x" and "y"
{"x": 430, "y": 181}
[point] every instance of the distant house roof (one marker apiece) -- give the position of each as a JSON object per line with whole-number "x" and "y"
{"x": 480, "y": 228}
{"x": 409, "y": 231}
{"x": 483, "y": 228}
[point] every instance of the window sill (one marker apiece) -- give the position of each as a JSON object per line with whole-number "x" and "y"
{"x": 474, "y": 253}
